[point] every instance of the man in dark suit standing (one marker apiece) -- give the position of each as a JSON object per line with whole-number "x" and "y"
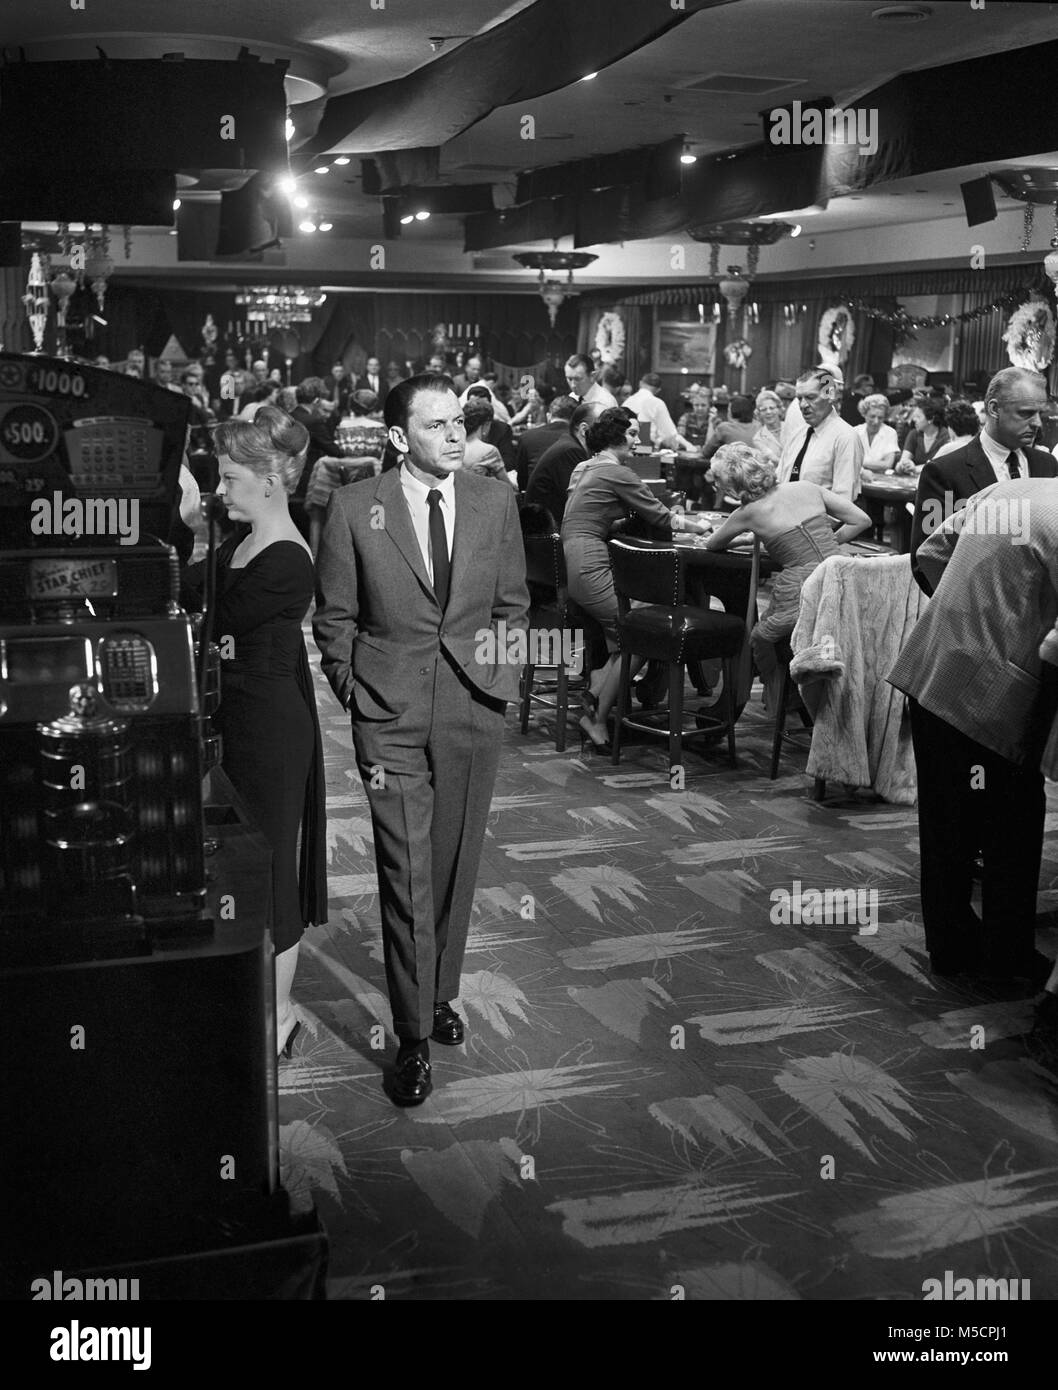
{"x": 549, "y": 480}
{"x": 981, "y": 709}
{"x": 338, "y": 389}
{"x": 1001, "y": 452}
{"x": 373, "y": 380}
{"x": 534, "y": 443}
{"x": 421, "y": 577}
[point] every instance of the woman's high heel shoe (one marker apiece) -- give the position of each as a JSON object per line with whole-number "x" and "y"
{"x": 287, "y": 1050}
{"x": 587, "y": 736}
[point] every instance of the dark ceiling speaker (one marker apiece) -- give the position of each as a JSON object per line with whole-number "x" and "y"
{"x": 979, "y": 200}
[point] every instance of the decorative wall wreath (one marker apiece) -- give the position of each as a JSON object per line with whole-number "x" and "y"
{"x": 1030, "y": 335}
{"x": 837, "y": 333}
{"x": 610, "y": 337}
{"x": 738, "y": 353}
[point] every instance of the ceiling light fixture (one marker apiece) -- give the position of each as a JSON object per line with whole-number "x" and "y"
{"x": 307, "y": 225}
{"x": 589, "y": 77}
{"x": 410, "y": 217}
{"x": 301, "y": 202}
{"x": 289, "y": 130}
{"x": 288, "y": 185}
{"x": 688, "y": 156}
{"x": 795, "y": 230}
{"x": 553, "y": 292}
{"x": 322, "y": 169}
{"x": 176, "y": 204}
{"x": 342, "y": 159}
{"x": 902, "y": 14}
{"x": 421, "y": 215}
{"x": 326, "y": 226}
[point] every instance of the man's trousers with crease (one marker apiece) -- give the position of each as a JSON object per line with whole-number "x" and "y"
{"x": 429, "y": 775}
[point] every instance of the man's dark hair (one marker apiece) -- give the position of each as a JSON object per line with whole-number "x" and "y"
{"x": 584, "y": 414}
{"x": 741, "y": 409}
{"x": 563, "y": 408}
{"x": 263, "y": 392}
{"x": 609, "y": 429}
{"x": 476, "y": 413}
{"x": 961, "y": 418}
{"x": 398, "y": 402}
{"x": 580, "y": 359}
{"x": 309, "y": 390}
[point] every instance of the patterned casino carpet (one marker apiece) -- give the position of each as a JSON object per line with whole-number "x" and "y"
{"x": 571, "y": 1148}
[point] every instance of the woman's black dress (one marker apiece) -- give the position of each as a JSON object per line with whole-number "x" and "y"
{"x": 271, "y": 744}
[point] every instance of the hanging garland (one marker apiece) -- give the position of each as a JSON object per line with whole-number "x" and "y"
{"x": 610, "y": 337}
{"x": 900, "y": 318}
{"x": 738, "y": 353}
{"x": 1030, "y": 335}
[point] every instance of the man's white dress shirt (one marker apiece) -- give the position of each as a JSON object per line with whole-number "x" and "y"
{"x": 832, "y": 458}
{"x": 646, "y": 406}
{"x": 415, "y": 496}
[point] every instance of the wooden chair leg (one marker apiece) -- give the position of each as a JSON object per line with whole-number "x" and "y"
{"x": 623, "y": 689}
{"x": 675, "y": 714}
{"x": 730, "y": 666}
{"x": 527, "y": 695}
{"x": 780, "y": 721}
{"x": 561, "y": 698}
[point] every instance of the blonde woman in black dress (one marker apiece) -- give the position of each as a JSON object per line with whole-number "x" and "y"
{"x": 602, "y": 490}
{"x": 272, "y": 749}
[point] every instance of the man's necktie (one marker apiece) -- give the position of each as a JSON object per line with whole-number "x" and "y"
{"x": 795, "y": 471}
{"x": 438, "y": 547}
{"x": 1013, "y": 465}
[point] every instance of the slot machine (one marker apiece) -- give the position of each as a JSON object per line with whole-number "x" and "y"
{"x": 101, "y": 762}
{"x": 109, "y": 921}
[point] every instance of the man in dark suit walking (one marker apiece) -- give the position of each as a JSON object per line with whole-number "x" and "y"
{"x": 981, "y": 708}
{"x": 1001, "y": 452}
{"x": 421, "y": 578}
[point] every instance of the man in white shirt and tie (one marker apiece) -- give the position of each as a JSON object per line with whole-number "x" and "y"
{"x": 1003, "y": 451}
{"x": 421, "y": 584}
{"x": 580, "y": 378}
{"x": 826, "y": 451}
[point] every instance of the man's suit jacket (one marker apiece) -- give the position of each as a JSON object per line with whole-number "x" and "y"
{"x": 378, "y": 624}
{"x": 956, "y": 477}
{"x": 973, "y": 657}
{"x": 362, "y": 384}
{"x": 533, "y": 444}
{"x": 345, "y": 390}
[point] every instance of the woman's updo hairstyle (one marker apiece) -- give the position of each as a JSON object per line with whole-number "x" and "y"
{"x": 609, "y": 429}
{"x": 741, "y": 471}
{"x": 269, "y": 443}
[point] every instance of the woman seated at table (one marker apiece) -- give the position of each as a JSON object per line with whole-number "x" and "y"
{"x": 793, "y": 521}
{"x": 927, "y": 435}
{"x": 481, "y": 457}
{"x": 768, "y": 438}
{"x": 877, "y": 439}
{"x": 604, "y": 489}
{"x": 694, "y": 423}
{"x": 533, "y": 411}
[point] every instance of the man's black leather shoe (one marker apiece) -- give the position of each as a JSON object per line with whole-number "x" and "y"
{"x": 447, "y": 1025}
{"x": 412, "y": 1081}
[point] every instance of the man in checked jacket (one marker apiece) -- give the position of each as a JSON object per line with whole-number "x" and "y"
{"x": 981, "y": 702}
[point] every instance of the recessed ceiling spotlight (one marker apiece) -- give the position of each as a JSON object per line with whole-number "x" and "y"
{"x": 288, "y": 185}
{"x": 301, "y": 202}
{"x": 322, "y": 169}
{"x": 795, "y": 230}
{"x": 326, "y": 226}
{"x": 342, "y": 159}
{"x": 589, "y": 77}
{"x": 422, "y": 215}
{"x": 688, "y": 156}
{"x": 405, "y": 220}
{"x": 902, "y": 14}
{"x": 176, "y": 204}
{"x": 289, "y": 130}
{"x": 307, "y": 225}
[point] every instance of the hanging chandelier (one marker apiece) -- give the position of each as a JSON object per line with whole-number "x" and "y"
{"x": 279, "y": 306}
{"x": 553, "y": 292}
